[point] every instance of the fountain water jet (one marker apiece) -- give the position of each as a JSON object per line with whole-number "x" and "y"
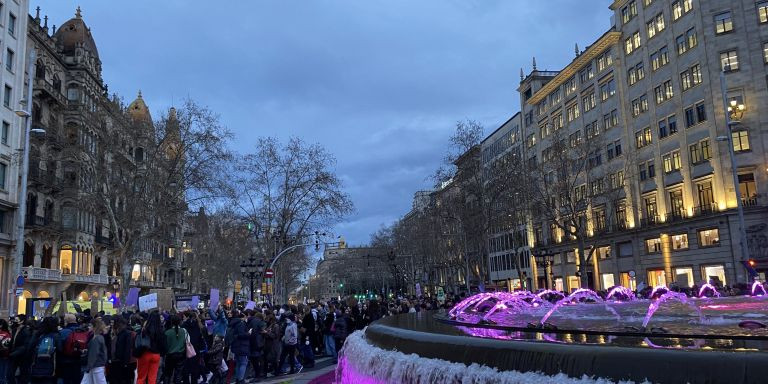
{"x": 579, "y": 294}
{"x": 710, "y": 287}
{"x": 757, "y": 286}
{"x": 680, "y": 297}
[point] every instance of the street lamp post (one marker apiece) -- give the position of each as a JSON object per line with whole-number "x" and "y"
{"x": 545, "y": 257}
{"x": 252, "y": 271}
{"x": 734, "y": 111}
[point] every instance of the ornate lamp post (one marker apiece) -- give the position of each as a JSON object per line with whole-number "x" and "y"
{"x": 252, "y": 271}
{"x": 545, "y": 257}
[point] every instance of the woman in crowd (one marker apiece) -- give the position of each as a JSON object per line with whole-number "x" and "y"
{"x": 149, "y": 347}
{"x": 176, "y": 340}
{"x": 97, "y": 355}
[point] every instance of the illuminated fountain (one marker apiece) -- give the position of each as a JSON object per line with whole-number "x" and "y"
{"x": 546, "y": 333}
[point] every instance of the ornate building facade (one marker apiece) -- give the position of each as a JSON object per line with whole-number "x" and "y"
{"x": 92, "y": 145}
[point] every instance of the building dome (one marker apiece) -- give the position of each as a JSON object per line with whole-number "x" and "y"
{"x": 74, "y": 32}
{"x": 138, "y": 110}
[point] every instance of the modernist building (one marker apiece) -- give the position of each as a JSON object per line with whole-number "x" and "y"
{"x": 13, "y": 24}
{"x": 649, "y": 92}
{"x": 69, "y": 242}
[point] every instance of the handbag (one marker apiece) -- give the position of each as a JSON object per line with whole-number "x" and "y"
{"x": 190, "y": 348}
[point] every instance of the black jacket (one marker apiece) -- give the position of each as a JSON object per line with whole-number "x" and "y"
{"x": 21, "y": 343}
{"x": 195, "y": 335}
{"x": 123, "y": 346}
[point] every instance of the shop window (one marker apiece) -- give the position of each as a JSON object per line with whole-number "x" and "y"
{"x": 715, "y": 275}
{"x": 607, "y": 280}
{"x": 656, "y": 277}
{"x": 628, "y": 281}
{"x": 684, "y": 277}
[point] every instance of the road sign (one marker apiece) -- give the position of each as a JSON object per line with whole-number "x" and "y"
{"x": 269, "y": 273}
{"x": 19, "y": 291}
{"x": 19, "y": 281}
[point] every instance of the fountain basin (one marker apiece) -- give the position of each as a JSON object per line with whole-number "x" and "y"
{"x": 634, "y": 358}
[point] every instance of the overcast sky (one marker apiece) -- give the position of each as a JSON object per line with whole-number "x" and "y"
{"x": 379, "y": 83}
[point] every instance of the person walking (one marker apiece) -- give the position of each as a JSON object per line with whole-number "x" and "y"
{"x": 42, "y": 356}
{"x": 290, "y": 341}
{"x": 330, "y": 344}
{"x": 97, "y": 355}
{"x": 272, "y": 343}
{"x": 256, "y": 327}
{"x": 193, "y": 367}
{"x": 73, "y": 340}
{"x": 149, "y": 347}
{"x": 176, "y": 340}
{"x": 123, "y": 363}
{"x": 239, "y": 344}
{"x": 5, "y": 350}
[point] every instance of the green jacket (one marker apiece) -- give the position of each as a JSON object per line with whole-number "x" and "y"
{"x": 176, "y": 344}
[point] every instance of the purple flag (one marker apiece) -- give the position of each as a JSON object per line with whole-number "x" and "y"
{"x": 214, "y": 298}
{"x": 250, "y": 305}
{"x": 195, "y": 302}
{"x": 133, "y": 297}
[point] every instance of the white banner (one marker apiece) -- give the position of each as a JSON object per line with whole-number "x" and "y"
{"x": 148, "y": 302}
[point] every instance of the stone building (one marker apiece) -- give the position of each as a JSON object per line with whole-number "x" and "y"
{"x": 13, "y": 24}
{"x": 355, "y": 270}
{"x": 649, "y": 92}
{"x": 91, "y": 142}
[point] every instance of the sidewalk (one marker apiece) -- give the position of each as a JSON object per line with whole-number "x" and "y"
{"x": 323, "y": 374}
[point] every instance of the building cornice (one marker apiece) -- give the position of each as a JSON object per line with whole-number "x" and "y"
{"x": 617, "y": 4}
{"x": 608, "y": 39}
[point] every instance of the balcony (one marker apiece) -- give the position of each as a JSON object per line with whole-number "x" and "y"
{"x": 649, "y": 221}
{"x": 87, "y": 279}
{"x": 49, "y": 90}
{"x": 675, "y": 216}
{"x": 749, "y": 202}
{"x": 41, "y": 274}
{"x": 181, "y": 286}
{"x": 705, "y": 209}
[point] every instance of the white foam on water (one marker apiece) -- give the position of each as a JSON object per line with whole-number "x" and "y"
{"x": 363, "y": 363}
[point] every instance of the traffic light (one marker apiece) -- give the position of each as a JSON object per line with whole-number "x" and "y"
{"x": 752, "y": 263}
{"x": 250, "y": 227}
{"x": 341, "y": 285}
{"x": 238, "y": 286}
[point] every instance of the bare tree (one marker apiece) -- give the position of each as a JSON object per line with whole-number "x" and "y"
{"x": 146, "y": 174}
{"x": 288, "y": 191}
{"x": 575, "y": 195}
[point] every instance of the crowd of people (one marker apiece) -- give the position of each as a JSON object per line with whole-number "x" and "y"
{"x": 216, "y": 345}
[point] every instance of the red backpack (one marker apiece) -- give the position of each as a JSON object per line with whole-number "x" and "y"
{"x": 77, "y": 342}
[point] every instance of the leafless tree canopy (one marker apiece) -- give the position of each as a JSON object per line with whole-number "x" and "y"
{"x": 288, "y": 191}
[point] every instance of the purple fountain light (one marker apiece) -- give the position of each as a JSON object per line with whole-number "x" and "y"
{"x": 707, "y": 286}
{"x": 622, "y": 291}
{"x": 575, "y": 297}
{"x": 758, "y": 286}
{"x": 680, "y": 297}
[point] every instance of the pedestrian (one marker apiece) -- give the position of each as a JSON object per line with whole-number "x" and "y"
{"x": 123, "y": 363}
{"x": 239, "y": 344}
{"x": 193, "y": 367}
{"x": 290, "y": 341}
{"x": 330, "y": 345}
{"x": 341, "y": 327}
{"x": 272, "y": 343}
{"x": 43, "y": 352}
{"x": 22, "y": 337}
{"x": 176, "y": 341}
{"x": 73, "y": 342}
{"x": 97, "y": 355}
{"x": 256, "y": 327}
{"x": 149, "y": 347}
{"x": 5, "y": 350}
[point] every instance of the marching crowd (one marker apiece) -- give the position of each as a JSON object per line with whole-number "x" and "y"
{"x": 213, "y": 346}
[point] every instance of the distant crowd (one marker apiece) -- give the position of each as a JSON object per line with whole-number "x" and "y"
{"x": 197, "y": 346}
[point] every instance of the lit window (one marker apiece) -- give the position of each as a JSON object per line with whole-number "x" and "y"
{"x": 765, "y": 53}
{"x": 653, "y": 245}
{"x": 677, "y": 10}
{"x": 657, "y": 277}
{"x": 684, "y": 277}
{"x": 729, "y": 61}
{"x": 607, "y": 280}
{"x": 680, "y": 241}
{"x": 740, "y": 141}
{"x": 672, "y": 161}
{"x": 709, "y": 238}
{"x": 715, "y": 275}
{"x": 723, "y": 23}
{"x": 762, "y": 11}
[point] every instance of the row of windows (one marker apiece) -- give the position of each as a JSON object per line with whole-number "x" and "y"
{"x": 586, "y": 74}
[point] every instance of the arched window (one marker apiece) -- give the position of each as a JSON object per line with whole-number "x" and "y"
{"x": 40, "y": 70}
{"x": 29, "y": 254}
{"x": 47, "y": 257}
{"x": 65, "y": 259}
{"x": 57, "y": 83}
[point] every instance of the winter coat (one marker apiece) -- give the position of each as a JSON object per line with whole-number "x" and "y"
{"x": 257, "y": 342}
{"x": 241, "y": 344}
{"x": 341, "y": 326}
{"x": 20, "y": 345}
{"x": 195, "y": 334}
{"x": 273, "y": 345}
{"x": 219, "y": 322}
